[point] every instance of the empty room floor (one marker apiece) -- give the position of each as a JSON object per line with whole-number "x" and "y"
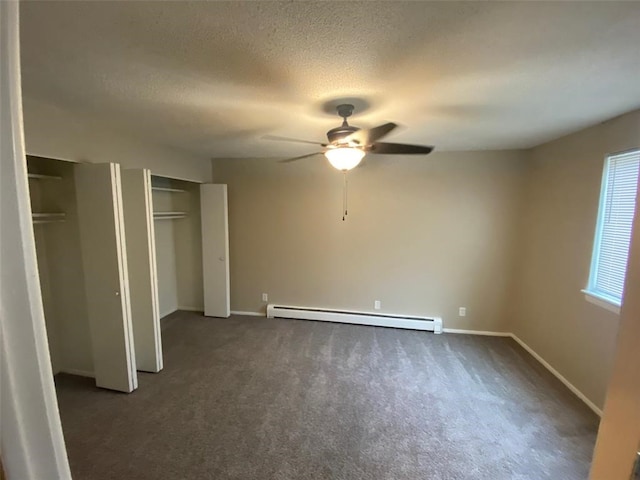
{"x": 256, "y": 398}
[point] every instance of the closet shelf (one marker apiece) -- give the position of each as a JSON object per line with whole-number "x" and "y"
{"x": 168, "y": 215}
{"x": 40, "y": 176}
{"x": 47, "y": 217}
{"x": 167, "y": 189}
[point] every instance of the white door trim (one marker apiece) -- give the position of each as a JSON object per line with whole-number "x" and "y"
{"x": 30, "y": 431}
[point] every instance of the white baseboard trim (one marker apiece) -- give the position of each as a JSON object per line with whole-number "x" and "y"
{"x": 557, "y": 374}
{"x": 477, "y": 332}
{"x": 250, "y": 314}
{"x": 535, "y": 355}
{"x": 80, "y": 373}
{"x": 192, "y": 309}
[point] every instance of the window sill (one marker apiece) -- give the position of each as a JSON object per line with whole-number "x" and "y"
{"x": 601, "y": 301}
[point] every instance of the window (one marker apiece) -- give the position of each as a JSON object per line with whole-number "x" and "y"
{"x": 613, "y": 230}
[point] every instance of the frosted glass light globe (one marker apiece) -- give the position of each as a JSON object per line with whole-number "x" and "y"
{"x": 344, "y": 158}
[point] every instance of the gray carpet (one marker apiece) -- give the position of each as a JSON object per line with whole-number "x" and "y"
{"x": 252, "y": 398}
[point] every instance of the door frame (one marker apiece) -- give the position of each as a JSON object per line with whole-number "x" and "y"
{"x": 30, "y": 432}
{"x": 619, "y": 433}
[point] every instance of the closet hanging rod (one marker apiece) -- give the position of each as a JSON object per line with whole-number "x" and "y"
{"x": 167, "y": 189}
{"x": 47, "y": 217}
{"x": 41, "y": 176}
{"x": 169, "y": 215}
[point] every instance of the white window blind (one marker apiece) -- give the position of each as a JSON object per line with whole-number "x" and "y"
{"x": 613, "y": 230}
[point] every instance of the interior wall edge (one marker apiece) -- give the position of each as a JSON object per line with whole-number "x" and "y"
{"x": 31, "y": 435}
{"x": 575, "y": 390}
{"x": 167, "y": 313}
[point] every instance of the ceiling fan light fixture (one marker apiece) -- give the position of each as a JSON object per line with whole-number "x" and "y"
{"x": 344, "y": 158}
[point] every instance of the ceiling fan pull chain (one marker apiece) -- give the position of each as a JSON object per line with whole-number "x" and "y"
{"x": 344, "y": 195}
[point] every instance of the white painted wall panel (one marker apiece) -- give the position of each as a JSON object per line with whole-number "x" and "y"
{"x": 143, "y": 282}
{"x": 166, "y": 267}
{"x": 106, "y": 283}
{"x": 215, "y": 250}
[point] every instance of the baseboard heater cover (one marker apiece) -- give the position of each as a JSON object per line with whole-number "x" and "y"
{"x": 431, "y": 324}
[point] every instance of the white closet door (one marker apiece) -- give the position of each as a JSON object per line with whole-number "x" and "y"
{"x": 104, "y": 259}
{"x": 215, "y": 250}
{"x": 143, "y": 277}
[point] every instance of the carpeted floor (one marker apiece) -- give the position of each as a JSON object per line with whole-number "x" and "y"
{"x": 253, "y": 398}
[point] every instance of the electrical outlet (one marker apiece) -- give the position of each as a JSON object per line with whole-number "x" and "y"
{"x": 376, "y": 304}
{"x": 462, "y": 311}
{"x": 265, "y": 297}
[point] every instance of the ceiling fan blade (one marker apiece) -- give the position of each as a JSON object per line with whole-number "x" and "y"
{"x": 293, "y": 159}
{"x": 287, "y": 139}
{"x": 370, "y": 135}
{"x": 401, "y": 148}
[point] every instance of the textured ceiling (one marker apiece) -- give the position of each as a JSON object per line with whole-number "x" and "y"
{"x": 213, "y": 77}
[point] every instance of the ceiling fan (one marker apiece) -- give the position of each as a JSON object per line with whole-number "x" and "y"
{"x": 348, "y": 145}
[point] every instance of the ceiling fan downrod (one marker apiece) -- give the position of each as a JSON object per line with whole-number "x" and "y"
{"x": 334, "y": 135}
{"x": 345, "y": 110}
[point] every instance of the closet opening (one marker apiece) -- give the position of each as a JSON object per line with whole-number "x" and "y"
{"x": 178, "y": 242}
{"x": 78, "y": 229}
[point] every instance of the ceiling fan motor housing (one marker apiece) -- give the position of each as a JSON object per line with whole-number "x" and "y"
{"x": 336, "y": 134}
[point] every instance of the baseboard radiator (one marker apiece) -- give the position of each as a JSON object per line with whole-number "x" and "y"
{"x": 431, "y": 324}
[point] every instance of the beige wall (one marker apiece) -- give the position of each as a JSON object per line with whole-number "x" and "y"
{"x": 424, "y": 235}
{"x": 549, "y": 311}
{"x": 55, "y": 133}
